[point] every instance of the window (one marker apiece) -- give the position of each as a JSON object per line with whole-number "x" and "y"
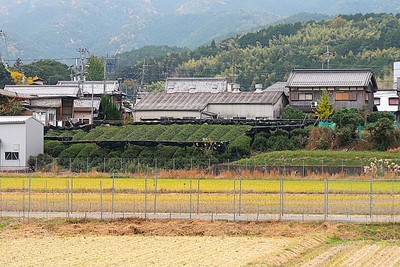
{"x": 393, "y": 101}
{"x": 12, "y": 155}
{"x": 377, "y": 101}
{"x": 346, "y": 96}
{"x": 305, "y": 96}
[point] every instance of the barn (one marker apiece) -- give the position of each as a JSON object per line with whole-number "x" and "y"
{"x": 204, "y": 105}
{"x": 20, "y": 138}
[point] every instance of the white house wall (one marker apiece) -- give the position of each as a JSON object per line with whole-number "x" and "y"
{"x": 13, "y": 138}
{"x": 34, "y": 139}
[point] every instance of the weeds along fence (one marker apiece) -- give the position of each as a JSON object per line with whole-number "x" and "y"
{"x": 194, "y": 198}
{"x": 283, "y": 167}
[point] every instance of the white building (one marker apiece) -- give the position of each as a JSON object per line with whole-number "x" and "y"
{"x": 20, "y": 138}
{"x": 387, "y": 101}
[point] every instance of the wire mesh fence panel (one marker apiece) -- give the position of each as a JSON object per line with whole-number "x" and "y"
{"x": 303, "y": 197}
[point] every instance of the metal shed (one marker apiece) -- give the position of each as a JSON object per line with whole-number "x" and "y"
{"x": 20, "y": 138}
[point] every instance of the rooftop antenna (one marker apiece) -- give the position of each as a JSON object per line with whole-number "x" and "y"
{"x": 327, "y": 57}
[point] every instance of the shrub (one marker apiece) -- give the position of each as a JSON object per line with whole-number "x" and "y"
{"x": 240, "y": 147}
{"x": 348, "y": 117}
{"x": 53, "y": 148}
{"x": 382, "y": 133}
{"x": 322, "y": 138}
{"x": 291, "y": 113}
{"x": 374, "y": 117}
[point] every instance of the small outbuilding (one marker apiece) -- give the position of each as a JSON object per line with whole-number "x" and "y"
{"x": 224, "y": 105}
{"x": 20, "y": 138}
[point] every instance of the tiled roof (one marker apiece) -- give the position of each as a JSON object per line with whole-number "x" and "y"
{"x": 44, "y": 90}
{"x": 199, "y": 101}
{"x": 331, "y": 78}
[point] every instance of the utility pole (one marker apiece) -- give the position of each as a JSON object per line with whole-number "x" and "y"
{"x": 81, "y": 65}
{"x": 327, "y": 56}
{"x": 234, "y": 75}
{"x": 143, "y": 73}
{"x": 2, "y": 34}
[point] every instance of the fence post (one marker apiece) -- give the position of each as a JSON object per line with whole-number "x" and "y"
{"x": 72, "y": 194}
{"x": 392, "y": 196}
{"x": 70, "y": 165}
{"x": 234, "y": 200}
{"x": 198, "y": 194}
{"x": 113, "y": 193}
{"x": 101, "y": 200}
{"x": 87, "y": 165}
{"x": 326, "y": 189}
{"x": 23, "y": 198}
{"x": 155, "y": 194}
{"x": 190, "y": 200}
{"x": 47, "y": 202}
{"x": 304, "y": 170}
{"x": 240, "y": 195}
{"x": 104, "y": 164}
{"x": 67, "y": 196}
{"x": 370, "y": 198}
{"x": 29, "y": 194}
{"x": 145, "y": 198}
{"x": 281, "y": 199}
{"x": 322, "y": 166}
{"x": 228, "y": 165}
{"x": 36, "y": 164}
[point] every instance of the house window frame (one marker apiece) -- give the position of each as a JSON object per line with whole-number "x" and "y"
{"x": 377, "y": 101}
{"x": 305, "y": 96}
{"x": 11, "y": 155}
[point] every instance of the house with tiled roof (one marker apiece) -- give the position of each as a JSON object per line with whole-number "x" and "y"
{"x": 347, "y": 88}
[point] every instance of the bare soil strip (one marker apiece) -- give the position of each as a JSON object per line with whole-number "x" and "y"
{"x": 139, "y": 242}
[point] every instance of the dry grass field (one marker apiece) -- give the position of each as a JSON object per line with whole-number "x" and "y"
{"x": 138, "y": 242}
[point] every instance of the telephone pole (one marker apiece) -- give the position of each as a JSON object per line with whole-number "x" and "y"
{"x": 81, "y": 66}
{"x": 327, "y": 56}
{"x": 143, "y": 73}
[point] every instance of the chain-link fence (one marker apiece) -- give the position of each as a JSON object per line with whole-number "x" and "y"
{"x": 233, "y": 198}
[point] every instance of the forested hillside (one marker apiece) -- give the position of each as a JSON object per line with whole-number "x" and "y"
{"x": 268, "y": 55}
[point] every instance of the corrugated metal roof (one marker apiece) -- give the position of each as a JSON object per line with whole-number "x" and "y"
{"x": 14, "y": 94}
{"x": 87, "y": 103}
{"x": 97, "y": 86}
{"x": 331, "y": 78}
{"x": 278, "y": 87}
{"x": 44, "y": 90}
{"x": 14, "y": 119}
{"x": 199, "y": 101}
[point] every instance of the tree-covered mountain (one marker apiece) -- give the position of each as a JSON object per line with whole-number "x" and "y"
{"x": 268, "y": 55}
{"x": 55, "y": 29}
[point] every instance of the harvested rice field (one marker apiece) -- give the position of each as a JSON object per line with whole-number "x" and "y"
{"x": 139, "y": 242}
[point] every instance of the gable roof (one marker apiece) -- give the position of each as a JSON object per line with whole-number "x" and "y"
{"x": 43, "y": 90}
{"x": 331, "y": 78}
{"x": 111, "y": 87}
{"x": 15, "y": 119}
{"x": 199, "y": 101}
{"x": 278, "y": 87}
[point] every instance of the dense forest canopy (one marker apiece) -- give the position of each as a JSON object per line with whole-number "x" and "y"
{"x": 268, "y": 55}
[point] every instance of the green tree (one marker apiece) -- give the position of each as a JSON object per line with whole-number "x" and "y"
{"x": 108, "y": 109}
{"x": 51, "y": 71}
{"x": 348, "y": 117}
{"x": 5, "y": 77}
{"x": 324, "y": 107}
{"x": 95, "y": 69}
{"x": 374, "y": 117}
{"x": 10, "y": 107}
{"x": 382, "y": 133}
